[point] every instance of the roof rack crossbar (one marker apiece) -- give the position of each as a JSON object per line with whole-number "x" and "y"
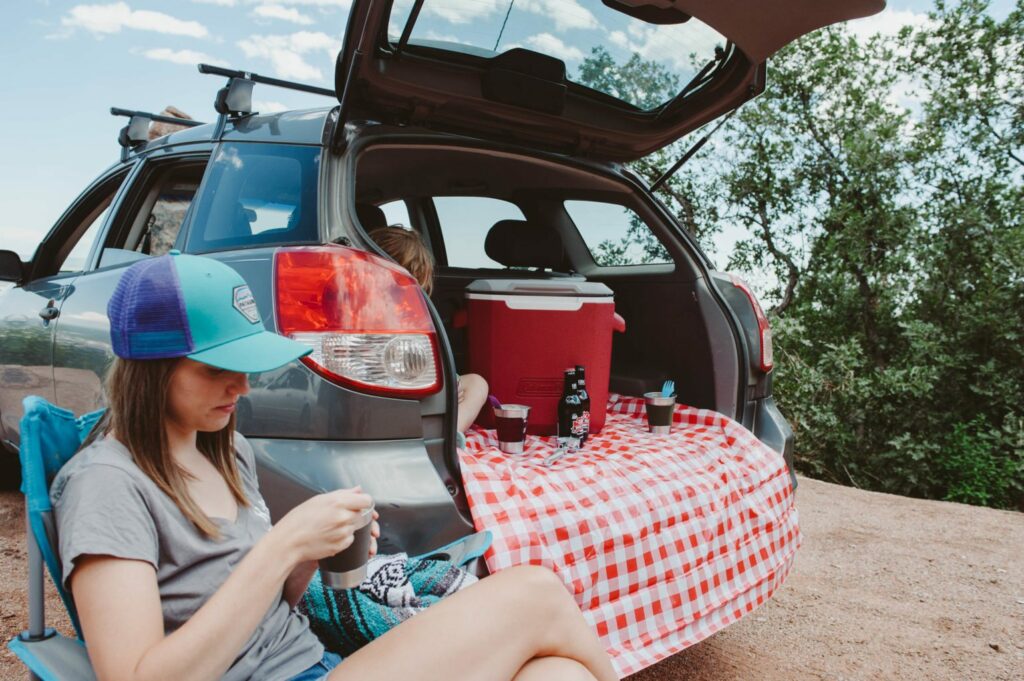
{"x": 265, "y": 80}
{"x": 136, "y": 133}
{"x": 115, "y": 111}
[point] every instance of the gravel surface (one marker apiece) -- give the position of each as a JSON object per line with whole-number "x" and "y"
{"x": 884, "y": 587}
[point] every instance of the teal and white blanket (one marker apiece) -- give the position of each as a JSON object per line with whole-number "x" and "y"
{"x": 396, "y": 588}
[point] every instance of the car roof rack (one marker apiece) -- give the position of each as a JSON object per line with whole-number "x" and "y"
{"x": 234, "y": 100}
{"x": 136, "y": 132}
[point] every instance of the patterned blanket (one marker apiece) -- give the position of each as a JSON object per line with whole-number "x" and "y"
{"x": 396, "y": 588}
{"x": 663, "y": 539}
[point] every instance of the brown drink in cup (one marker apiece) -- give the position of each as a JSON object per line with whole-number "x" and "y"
{"x": 659, "y": 412}
{"x": 510, "y": 422}
{"x": 347, "y": 569}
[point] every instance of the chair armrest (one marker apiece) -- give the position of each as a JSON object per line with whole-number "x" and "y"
{"x": 54, "y": 658}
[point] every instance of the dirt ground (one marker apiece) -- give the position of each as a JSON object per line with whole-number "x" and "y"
{"x": 884, "y": 588}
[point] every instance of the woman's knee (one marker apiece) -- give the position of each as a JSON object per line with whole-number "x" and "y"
{"x": 538, "y": 588}
{"x": 474, "y": 383}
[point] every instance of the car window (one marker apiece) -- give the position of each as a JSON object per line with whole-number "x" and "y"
{"x": 75, "y": 262}
{"x": 78, "y": 236}
{"x": 596, "y": 42}
{"x": 465, "y": 221}
{"x": 397, "y": 213}
{"x": 161, "y": 219}
{"x": 257, "y": 194}
{"x": 615, "y": 234}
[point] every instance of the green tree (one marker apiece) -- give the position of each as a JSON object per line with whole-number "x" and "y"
{"x": 881, "y": 183}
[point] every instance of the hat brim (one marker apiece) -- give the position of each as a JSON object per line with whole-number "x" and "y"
{"x": 261, "y": 351}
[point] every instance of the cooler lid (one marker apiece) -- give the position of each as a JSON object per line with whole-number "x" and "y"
{"x": 577, "y": 288}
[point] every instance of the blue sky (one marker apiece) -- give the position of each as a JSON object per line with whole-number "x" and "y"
{"x": 66, "y": 63}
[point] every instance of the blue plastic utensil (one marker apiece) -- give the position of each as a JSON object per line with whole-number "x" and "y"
{"x": 668, "y": 388}
{"x": 494, "y": 401}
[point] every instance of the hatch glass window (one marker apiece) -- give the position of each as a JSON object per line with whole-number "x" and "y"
{"x": 656, "y": 61}
{"x": 616, "y": 235}
{"x": 257, "y": 195}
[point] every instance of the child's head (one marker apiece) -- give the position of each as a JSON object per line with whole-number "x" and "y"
{"x": 407, "y": 249}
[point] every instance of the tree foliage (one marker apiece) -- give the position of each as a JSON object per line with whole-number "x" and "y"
{"x": 880, "y": 183}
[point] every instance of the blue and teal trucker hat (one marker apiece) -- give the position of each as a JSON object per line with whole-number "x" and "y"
{"x": 188, "y": 306}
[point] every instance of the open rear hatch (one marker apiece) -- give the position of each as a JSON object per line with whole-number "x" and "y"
{"x": 512, "y": 71}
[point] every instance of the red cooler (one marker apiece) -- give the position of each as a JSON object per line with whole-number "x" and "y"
{"x": 524, "y": 333}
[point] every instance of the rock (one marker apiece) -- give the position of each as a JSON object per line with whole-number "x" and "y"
{"x": 994, "y": 646}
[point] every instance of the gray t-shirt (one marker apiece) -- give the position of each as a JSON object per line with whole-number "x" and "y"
{"x": 106, "y": 505}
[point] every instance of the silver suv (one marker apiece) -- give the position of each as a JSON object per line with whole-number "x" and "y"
{"x": 460, "y": 143}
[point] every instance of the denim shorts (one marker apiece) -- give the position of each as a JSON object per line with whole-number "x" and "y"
{"x": 320, "y": 670}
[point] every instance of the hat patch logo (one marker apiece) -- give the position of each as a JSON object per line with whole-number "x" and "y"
{"x": 246, "y": 304}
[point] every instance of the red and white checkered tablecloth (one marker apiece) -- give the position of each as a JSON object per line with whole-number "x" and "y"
{"x": 663, "y": 539}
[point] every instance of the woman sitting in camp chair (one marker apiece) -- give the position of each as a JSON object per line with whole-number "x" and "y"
{"x": 167, "y": 545}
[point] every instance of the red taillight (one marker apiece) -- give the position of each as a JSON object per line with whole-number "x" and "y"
{"x": 764, "y": 329}
{"x": 364, "y": 317}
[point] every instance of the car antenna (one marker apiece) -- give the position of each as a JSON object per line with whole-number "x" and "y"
{"x": 234, "y": 100}
{"x": 136, "y": 132}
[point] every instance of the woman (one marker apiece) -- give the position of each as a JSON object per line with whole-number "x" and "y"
{"x": 407, "y": 249}
{"x": 167, "y": 546}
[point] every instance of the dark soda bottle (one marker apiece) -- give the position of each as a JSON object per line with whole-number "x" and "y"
{"x": 569, "y": 412}
{"x": 581, "y": 391}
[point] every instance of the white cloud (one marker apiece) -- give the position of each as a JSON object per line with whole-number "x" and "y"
{"x": 284, "y": 13}
{"x": 619, "y": 38}
{"x": 887, "y": 22}
{"x": 566, "y": 14}
{"x": 286, "y": 53}
{"x": 343, "y": 4}
{"x": 107, "y": 19}
{"x": 222, "y": 3}
{"x": 464, "y": 11}
{"x": 188, "y": 57}
{"x": 267, "y": 106}
{"x": 550, "y": 45}
{"x": 669, "y": 45}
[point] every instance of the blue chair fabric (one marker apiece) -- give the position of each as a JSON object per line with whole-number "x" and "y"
{"x": 50, "y": 436}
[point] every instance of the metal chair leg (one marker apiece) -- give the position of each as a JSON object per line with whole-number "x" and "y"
{"x": 36, "y": 601}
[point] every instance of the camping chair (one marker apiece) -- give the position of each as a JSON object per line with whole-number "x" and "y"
{"x": 49, "y": 437}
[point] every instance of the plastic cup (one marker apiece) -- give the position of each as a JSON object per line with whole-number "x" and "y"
{"x": 510, "y": 421}
{"x": 347, "y": 569}
{"x": 659, "y": 412}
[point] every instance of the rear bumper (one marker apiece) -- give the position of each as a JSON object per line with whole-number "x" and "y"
{"x": 417, "y": 512}
{"x": 772, "y": 428}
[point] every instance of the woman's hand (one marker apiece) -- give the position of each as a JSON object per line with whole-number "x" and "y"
{"x": 322, "y": 525}
{"x": 374, "y": 534}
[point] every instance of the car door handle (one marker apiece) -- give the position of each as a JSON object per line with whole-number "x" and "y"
{"x": 49, "y": 312}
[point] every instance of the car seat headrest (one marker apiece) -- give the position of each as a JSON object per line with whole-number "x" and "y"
{"x": 518, "y": 243}
{"x": 370, "y": 216}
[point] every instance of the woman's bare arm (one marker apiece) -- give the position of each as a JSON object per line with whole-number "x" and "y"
{"x": 118, "y": 600}
{"x": 298, "y": 582}
{"x": 118, "y": 604}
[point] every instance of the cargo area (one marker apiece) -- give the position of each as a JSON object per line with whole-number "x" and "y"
{"x": 496, "y": 221}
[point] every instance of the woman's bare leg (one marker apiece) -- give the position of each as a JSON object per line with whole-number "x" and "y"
{"x": 553, "y": 669}
{"x": 488, "y": 632}
{"x": 474, "y": 389}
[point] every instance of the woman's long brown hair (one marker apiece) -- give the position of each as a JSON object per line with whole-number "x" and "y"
{"x": 137, "y": 394}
